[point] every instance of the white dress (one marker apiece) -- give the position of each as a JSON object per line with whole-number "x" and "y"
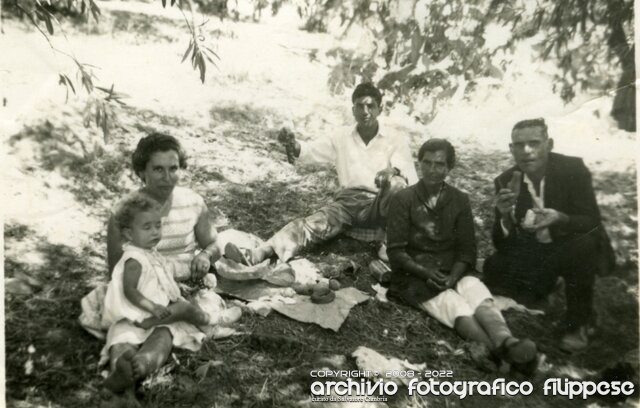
{"x": 156, "y": 284}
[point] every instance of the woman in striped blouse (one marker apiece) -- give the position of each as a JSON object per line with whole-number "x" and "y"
{"x": 188, "y": 239}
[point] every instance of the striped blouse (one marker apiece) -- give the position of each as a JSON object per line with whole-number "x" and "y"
{"x": 180, "y": 215}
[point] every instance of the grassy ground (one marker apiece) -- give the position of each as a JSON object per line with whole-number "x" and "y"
{"x": 235, "y": 164}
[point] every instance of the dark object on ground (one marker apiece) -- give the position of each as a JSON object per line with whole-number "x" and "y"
{"x": 322, "y": 295}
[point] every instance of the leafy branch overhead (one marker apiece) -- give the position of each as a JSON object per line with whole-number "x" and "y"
{"x": 103, "y": 107}
{"x": 425, "y": 51}
{"x": 197, "y": 48}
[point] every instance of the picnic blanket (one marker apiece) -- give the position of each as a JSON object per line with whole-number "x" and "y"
{"x": 274, "y": 289}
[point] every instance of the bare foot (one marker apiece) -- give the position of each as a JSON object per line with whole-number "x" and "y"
{"x": 259, "y": 254}
{"x": 140, "y": 367}
{"x": 121, "y": 378}
{"x": 230, "y": 315}
{"x": 180, "y": 312}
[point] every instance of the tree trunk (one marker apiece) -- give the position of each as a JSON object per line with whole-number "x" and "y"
{"x": 624, "y": 103}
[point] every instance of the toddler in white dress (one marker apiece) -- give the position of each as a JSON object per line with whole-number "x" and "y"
{"x": 142, "y": 293}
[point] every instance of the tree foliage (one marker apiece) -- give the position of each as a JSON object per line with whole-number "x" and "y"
{"x": 102, "y": 103}
{"x": 426, "y": 50}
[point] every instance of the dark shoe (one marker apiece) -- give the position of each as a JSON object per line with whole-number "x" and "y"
{"x": 521, "y": 354}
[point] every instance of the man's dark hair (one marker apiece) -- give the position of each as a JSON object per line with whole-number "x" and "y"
{"x": 435, "y": 145}
{"x": 528, "y": 123}
{"x": 130, "y": 206}
{"x": 366, "y": 89}
{"x": 156, "y": 142}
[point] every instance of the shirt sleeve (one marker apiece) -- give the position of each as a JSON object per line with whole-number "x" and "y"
{"x": 403, "y": 161}
{"x": 321, "y": 150}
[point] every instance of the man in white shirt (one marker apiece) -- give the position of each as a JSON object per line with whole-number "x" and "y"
{"x": 372, "y": 164}
{"x": 547, "y": 225}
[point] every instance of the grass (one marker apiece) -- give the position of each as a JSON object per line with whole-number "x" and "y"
{"x": 269, "y": 365}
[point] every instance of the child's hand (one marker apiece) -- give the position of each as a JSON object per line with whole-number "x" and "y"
{"x": 160, "y": 312}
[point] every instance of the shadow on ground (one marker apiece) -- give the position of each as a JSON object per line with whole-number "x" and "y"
{"x": 269, "y": 365}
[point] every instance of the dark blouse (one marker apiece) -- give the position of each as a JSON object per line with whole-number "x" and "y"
{"x": 445, "y": 233}
{"x": 437, "y": 237}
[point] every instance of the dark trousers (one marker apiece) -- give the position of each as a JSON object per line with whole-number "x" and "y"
{"x": 527, "y": 270}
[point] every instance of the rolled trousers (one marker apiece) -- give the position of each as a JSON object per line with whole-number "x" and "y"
{"x": 351, "y": 208}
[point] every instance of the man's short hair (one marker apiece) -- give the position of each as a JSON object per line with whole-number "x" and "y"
{"x": 528, "y": 123}
{"x": 366, "y": 89}
{"x": 435, "y": 145}
{"x": 156, "y": 142}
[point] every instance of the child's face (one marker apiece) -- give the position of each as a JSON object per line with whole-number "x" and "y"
{"x": 145, "y": 230}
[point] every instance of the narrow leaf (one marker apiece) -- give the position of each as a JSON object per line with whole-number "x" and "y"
{"x": 98, "y": 115}
{"x": 70, "y": 84}
{"x": 95, "y": 10}
{"x": 203, "y": 68}
{"x": 211, "y": 51}
{"x": 194, "y": 57}
{"x": 188, "y": 51}
{"x": 164, "y": 3}
{"x": 209, "y": 58}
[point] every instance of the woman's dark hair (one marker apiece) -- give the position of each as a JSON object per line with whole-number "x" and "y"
{"x": 156, "y": 142}
{"x": 130, "y": 206}
{"x": 434, "y": 145}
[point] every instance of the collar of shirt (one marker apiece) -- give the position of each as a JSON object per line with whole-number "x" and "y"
{"x": 538, "y": 199}
{"x": 434, "y": 200}
{"x": 542, "y": 235}
{"x": 374, "y": 140}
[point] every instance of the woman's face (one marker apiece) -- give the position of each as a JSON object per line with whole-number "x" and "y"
{"x": 161, "y": 174}
{"x": 434, "y": 167}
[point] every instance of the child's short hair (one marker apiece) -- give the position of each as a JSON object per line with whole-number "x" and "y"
{"x": 130, "y": 206}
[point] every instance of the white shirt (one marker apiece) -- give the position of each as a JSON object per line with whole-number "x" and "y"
{"x": 542, "y": 235}
{"x": 356, "y": 163}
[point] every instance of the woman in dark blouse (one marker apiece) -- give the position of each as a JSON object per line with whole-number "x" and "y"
{"x": 432, "y": 250}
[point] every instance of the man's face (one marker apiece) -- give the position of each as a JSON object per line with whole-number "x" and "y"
{"x": 530, "y": 149}
{"x": 433, "y": 166}
{"x": 365, "y": 110}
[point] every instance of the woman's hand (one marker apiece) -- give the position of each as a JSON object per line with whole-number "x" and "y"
{"x": 160, "y": 312}
{"x": 200, "y": 265}
{"x": 436, "y": 276}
